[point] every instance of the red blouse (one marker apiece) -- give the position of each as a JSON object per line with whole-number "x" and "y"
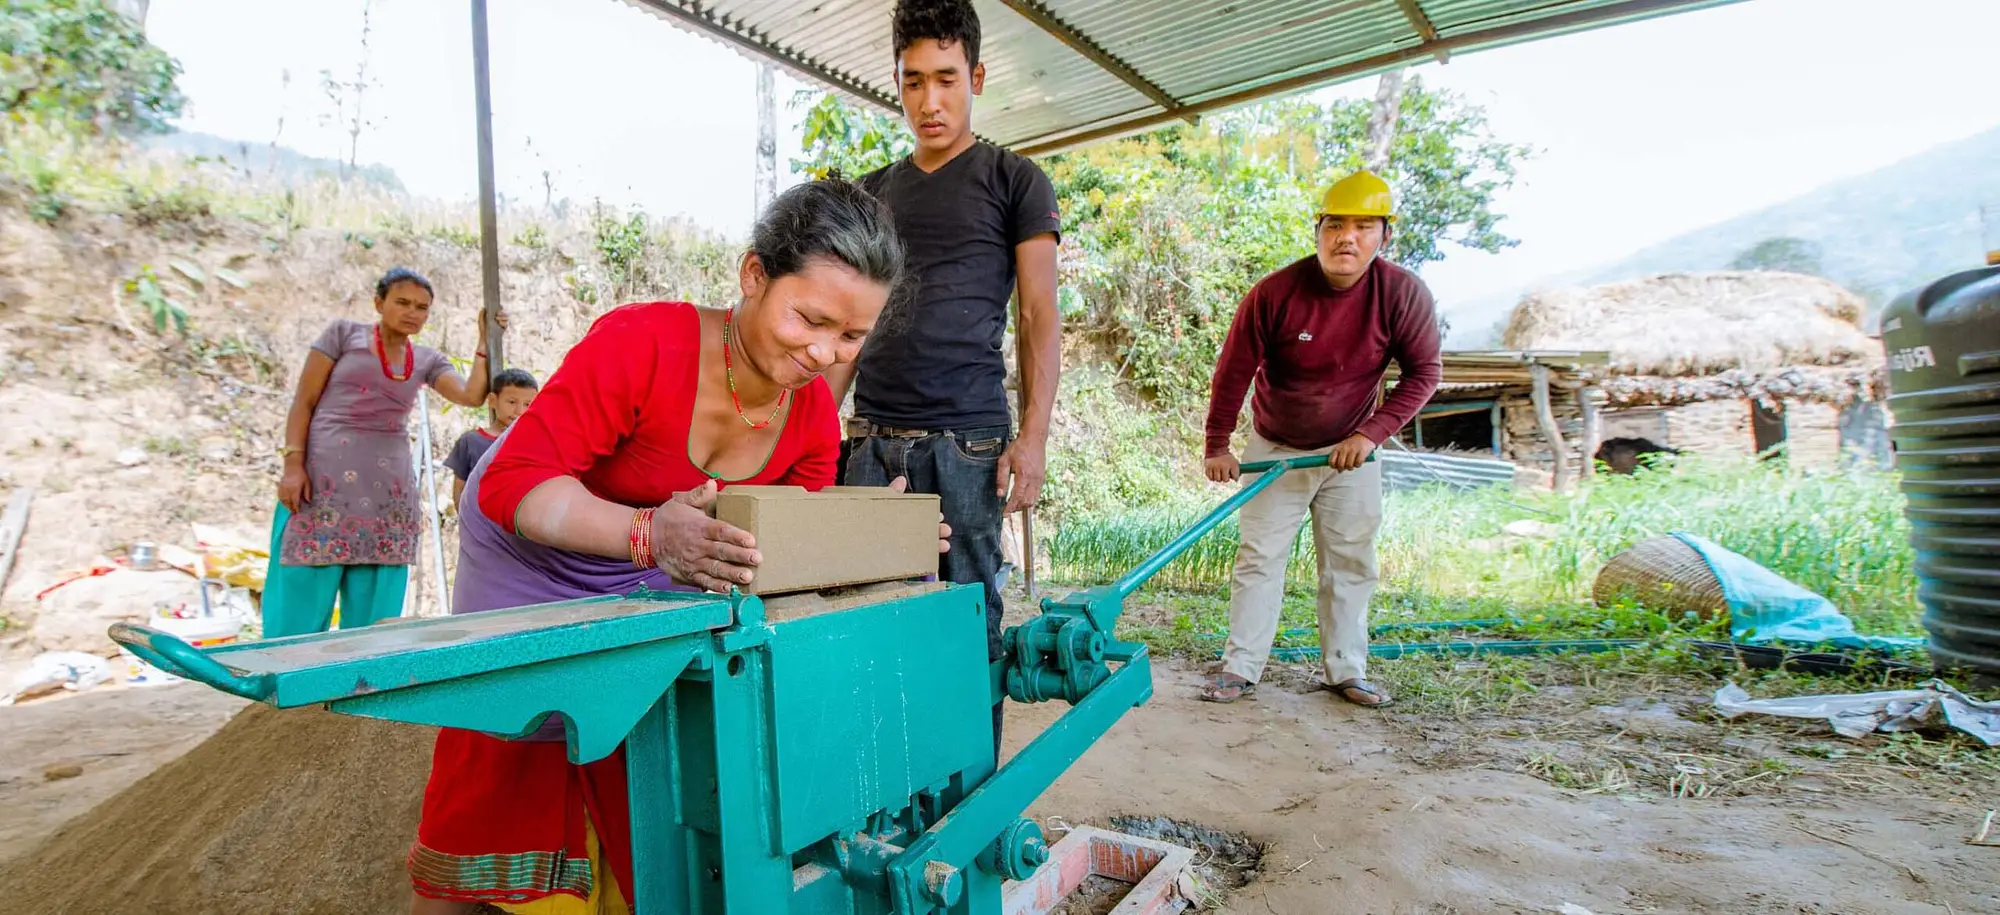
{"x": 616, "y": 416}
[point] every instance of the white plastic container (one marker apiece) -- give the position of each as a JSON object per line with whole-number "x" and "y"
{"x": 201, "y": 632}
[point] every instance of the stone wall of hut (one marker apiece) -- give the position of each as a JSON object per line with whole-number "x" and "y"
{"x": 1715, "y": 428}
{"x": 1525, "y": 444}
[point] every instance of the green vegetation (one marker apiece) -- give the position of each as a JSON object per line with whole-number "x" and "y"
{"x": 78, "y": 61}
{"x": 1789, "y": 255}
{"x": 1164, "y": 233}
{"x": 840, "y": 139}
{"x": 1446, "y": 554}
{"x": 156, "y": 296}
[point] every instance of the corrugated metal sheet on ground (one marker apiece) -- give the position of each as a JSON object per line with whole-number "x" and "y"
{"x": 1403, "y": 470}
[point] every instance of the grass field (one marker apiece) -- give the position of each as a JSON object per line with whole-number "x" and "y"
{"x": 1447, "y": 554}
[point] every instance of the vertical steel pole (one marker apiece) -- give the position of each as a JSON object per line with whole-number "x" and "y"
{"x": 427, "y": 478}
{"x": 489, "y": 230}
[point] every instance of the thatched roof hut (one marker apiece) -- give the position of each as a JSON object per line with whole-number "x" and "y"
{"x": 1692, "y": 337}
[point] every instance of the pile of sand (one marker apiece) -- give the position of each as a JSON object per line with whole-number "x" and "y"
{"x": 299, "y": 811}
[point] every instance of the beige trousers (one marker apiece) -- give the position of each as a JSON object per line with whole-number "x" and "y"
{"x": 1346, "y": 510}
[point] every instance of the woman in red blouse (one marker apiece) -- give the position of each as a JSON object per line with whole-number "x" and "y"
{"x": 599, "y": 488}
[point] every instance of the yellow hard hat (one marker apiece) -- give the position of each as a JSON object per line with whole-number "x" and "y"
{"x": 1359, "y": 194}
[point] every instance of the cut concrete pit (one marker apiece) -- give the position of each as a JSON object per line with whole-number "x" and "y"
{"x": 1156, "y": 867}
{"x": 1223, "y": 861}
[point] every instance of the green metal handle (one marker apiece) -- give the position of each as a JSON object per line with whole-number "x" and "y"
{"x": 1270, "y": 470}
{"x": 170, "y": 654}
{"x": 1299, "y": 463}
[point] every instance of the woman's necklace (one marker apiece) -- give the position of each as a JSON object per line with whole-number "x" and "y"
{"x": 729, "y": 374}
{"x": 409, "y": 358}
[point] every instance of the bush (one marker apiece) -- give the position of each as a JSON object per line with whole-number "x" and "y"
{"x": 1108, "y": 452}
{"x": 78, "y": 60}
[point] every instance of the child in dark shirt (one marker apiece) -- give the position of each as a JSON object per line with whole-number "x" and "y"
{"x": 512, "y": 391}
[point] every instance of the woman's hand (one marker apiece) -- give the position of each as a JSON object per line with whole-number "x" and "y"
{"x": 294, "y": 489}
{"x": 695, "y": 548}
{"x": 500, "y": 318}
{"x": 901, "y": 484}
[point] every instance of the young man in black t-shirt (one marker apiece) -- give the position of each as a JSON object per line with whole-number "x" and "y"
{"x": 978, "y": 222}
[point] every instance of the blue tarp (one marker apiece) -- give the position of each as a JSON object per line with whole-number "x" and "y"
{"x": 1766, "y": 607}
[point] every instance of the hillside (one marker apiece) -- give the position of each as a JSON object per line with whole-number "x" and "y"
{"x": 1879, "y": 233}
{"x": 282, "y": 164}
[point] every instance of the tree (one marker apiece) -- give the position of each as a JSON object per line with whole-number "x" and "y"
{"x": 351, "y": 93}
{"x": 1164, "y": 232}
{"x": 1784, "y": 254}
{"x": 1444, "y": 163}
{"x": 81, "y": 61}
{"x": 766, "y": 188}
{"x": 843, "y": 139}
{"x": 1383, "y": 120}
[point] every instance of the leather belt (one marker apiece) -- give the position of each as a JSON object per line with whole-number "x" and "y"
{"x": 858, "y": 428}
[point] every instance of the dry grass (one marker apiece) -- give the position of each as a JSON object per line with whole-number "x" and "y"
{"x": 1641, "y": 723}
{"x": 1694, "y": 324}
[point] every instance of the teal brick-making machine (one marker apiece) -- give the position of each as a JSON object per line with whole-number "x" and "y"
{"x": 837, "y": 763}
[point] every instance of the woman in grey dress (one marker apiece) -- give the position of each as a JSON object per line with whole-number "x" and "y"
{"x": 347, "y": 520}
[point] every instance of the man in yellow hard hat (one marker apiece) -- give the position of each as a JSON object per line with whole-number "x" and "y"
{"x": 1317, "y": 337}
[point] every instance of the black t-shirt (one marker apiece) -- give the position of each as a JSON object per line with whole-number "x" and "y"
{"x": 466, "y": 454}
{"x": 940, "y": 367}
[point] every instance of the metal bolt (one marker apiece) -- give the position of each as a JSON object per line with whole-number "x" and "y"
{"x": 943, "y": 884}
{"x": 1034, "y": 854}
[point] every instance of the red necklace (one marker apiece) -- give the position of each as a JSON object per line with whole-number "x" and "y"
{"x": 409, "y": 357}
{"x": 729, "y": 374}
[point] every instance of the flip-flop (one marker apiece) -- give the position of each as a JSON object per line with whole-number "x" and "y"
{"x": 1346, "y": 689}
{"x": 1226, "y": 687}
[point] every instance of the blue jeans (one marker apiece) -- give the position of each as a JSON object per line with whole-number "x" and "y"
{"x": 959, "y": 466}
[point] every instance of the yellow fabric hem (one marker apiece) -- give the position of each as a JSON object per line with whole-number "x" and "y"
{"x": 604, "y": 899}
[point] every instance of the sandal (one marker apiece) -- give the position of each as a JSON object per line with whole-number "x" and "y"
{"x": 1346, "y": 689}
{"x": 1226, "y": 687}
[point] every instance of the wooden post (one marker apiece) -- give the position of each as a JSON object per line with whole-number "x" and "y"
{"x": 11, "y": 525}
{"x": 1546, "y": 414}
{"x": 489, "y": 220}
{"x": 1593, "y": 428}
{"x": 1499, "y": 430}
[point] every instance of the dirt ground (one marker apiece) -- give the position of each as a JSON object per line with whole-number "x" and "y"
{"x": 1359, "y": 817}
{"x": 96, "y": 743}
{"x": 1358, "y": 810}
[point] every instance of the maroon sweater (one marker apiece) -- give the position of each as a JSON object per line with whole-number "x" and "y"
{"x": 1318, "y": 356}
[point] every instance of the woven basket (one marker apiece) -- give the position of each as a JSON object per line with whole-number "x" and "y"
{"x": 1661, "y": 573}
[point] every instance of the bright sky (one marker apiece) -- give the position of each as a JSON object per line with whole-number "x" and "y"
{"x": 1645, "y": 131}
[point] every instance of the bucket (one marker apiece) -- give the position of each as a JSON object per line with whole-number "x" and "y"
{"x": 201, "y": 632}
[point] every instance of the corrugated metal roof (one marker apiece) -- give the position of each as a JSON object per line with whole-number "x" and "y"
{"x": 1063, "y": 73}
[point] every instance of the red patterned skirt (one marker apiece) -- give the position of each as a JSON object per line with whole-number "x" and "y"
{"x": 509, "y": 821}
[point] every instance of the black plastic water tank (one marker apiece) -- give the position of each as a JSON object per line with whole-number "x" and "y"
{"x": 1943, "y": 344}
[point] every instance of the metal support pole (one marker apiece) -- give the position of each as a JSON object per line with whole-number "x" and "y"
{"x": 489, "y": 230}
{"x": 1028, "y": 550}
{"x": 427, "y": 478}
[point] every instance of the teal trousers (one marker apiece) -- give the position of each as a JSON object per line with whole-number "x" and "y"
{"x": 300, "y": 599}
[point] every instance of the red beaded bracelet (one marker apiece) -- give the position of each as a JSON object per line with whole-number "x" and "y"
{"x": 641, "y": 538}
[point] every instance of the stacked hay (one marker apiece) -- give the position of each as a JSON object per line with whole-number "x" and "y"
{"x": 300, "y": 811}
{"x": 1689, "y": 337}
